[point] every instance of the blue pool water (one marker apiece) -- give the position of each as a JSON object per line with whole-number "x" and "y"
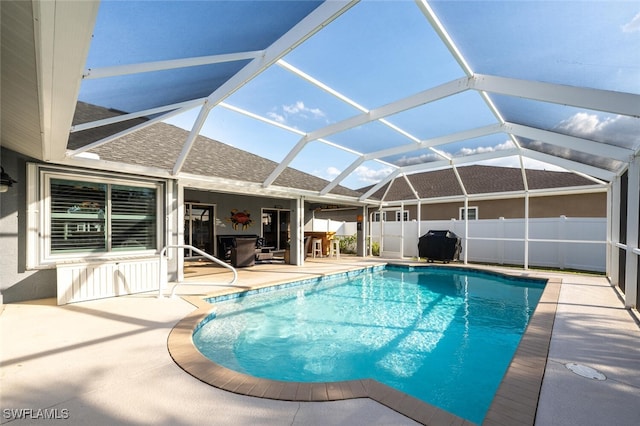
{"x": 443, "y": 335}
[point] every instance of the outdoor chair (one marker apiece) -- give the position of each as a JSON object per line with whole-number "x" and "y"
{"x": 243, "y": 254}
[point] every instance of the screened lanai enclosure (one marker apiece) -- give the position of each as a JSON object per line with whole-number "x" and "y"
{"x": 328, "y": 98}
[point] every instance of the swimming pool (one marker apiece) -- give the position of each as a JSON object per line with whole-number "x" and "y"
{"x": 443, "y": 335}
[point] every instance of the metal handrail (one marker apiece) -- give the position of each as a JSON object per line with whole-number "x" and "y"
{"x": 200, "y": 252}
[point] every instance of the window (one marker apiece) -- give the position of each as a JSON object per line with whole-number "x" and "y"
{"x": 100, "y": 217}
{"x": 396, "y": 215}
{"x": 86, "y": 215}
{"x": 133, "y": 218}
{"x": 376, "y": 216}
{"x": 405, "y": 217}
{"x": 78, "y": 221}
{"x": 473, "y": 213}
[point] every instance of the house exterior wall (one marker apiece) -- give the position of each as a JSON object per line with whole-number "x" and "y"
{"x": 16, "y": 282}
{"x": 575, "y": 205}
{"x": 583, "y": 205}
{"x": 226, "y": 203}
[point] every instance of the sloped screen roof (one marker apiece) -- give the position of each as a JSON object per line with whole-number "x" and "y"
{"x": 138, "y": 32}
{"x": 360, "y": 92}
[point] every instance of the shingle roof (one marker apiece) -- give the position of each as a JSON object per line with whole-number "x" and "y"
{"x": 162, "y": 144}
{"x": 477, "y": 179}
{"x": 86, "y": 113}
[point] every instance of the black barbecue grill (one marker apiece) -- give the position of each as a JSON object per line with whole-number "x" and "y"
{"x": 444, "y": 246}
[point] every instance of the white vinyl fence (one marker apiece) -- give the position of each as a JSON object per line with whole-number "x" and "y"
{"x": 565, "y": 243}
{"x": 341, "y": 228}
{"x": 557, "y": 242}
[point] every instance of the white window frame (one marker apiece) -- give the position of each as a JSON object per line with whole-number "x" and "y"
{"x": 405, "y": 214}
{"x": 39, "y": 253}
{"x": 376, "y": 216}
{"x": 461, "y": 212}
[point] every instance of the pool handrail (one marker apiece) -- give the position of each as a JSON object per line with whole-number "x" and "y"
{"x": 200, "y": 252}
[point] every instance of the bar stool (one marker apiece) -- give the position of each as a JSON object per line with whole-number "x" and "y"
{"x": 316, "y": 247}
{"x": 334, "y": 248}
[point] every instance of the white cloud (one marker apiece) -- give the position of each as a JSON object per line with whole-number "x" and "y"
{"x": 370, "y": 176}
{"x": 417, "y": 159}
{"x": 293, "y": 108}
{"x": 482, "y": 149}
{"x": 582, "y": 124}
{"x": 332, "y": 172}
{"x": 278, "y": 118}
{"x": 633, "y": 25}
{"x": 297, "y": 109}
{"x": 362, "y": 176}
{"x": 618, "y": 130}
{"x": 424, "y": 158}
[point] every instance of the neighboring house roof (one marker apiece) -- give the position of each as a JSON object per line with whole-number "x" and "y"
{"x": 477, "y": 180}
{"x": 162, "y": 144}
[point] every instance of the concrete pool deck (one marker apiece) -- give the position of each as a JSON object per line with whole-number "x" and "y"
{"x": 106, "y": 362}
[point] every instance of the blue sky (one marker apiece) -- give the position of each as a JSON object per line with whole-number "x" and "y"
{"x": 382, "y": 51}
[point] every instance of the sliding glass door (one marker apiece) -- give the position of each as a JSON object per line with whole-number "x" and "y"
{"x": 198, "y": 228}
{"x": 276, "y": 229}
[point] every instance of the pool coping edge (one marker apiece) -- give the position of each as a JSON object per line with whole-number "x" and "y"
{"x": 515, "y": 401}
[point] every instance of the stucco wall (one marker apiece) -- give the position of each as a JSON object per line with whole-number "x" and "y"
{"x": 16, "y": 283}
{"x": 225, "y": 203}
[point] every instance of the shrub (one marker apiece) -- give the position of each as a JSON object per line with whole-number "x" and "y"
{"x": 348, "y": 244}
{"x": 375, "y": 249}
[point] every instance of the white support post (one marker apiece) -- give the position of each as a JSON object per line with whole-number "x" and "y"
{"x": 608, "y": 250}
{"x": 419, "y": 227}
{"x": 297, "y": 239}
{"x": 500, "y": 242}
{"x": 615, "y": 231}
{"x": 363, "y": 233}
{"x": 381, "y": 224}
{"x": 562, "y": 246}
{"x": 633, "y": 212}
{"x": 402, "y": 223}
{"x": 368, "y": 242}
{"x": 526, "y": 230}
{"x": 178, "y": 224}
{"x": 466, "y": 228}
